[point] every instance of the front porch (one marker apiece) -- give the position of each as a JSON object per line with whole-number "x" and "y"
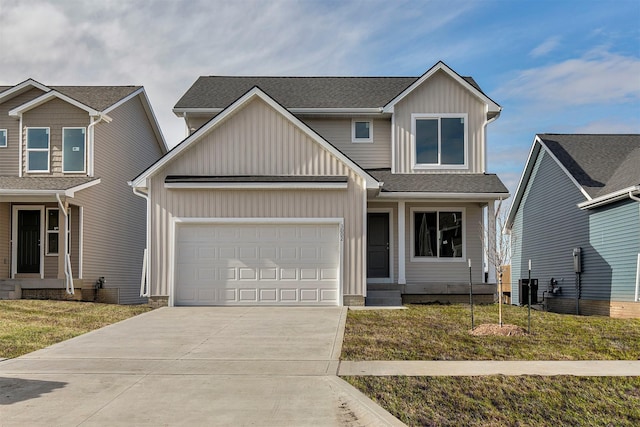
{"x": 393, "y": 294}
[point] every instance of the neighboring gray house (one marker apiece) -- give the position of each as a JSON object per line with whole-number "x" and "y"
{"x": 580, "y": 191}
{"x": 323, "y": 190}
{"x": 66, "y": 153}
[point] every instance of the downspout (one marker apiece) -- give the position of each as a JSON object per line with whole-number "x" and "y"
{"x": 91, "y": 139}
{"x": 632, "y": 197}
{"x": 67, "y": 260}
{"x": 637, "y": 298}
{"x": 145, "y": 291}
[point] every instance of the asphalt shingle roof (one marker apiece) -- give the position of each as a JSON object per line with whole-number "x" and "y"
{"x": 600, "y": 163}
{"x": 439, "y": 182}
{"x": 299, "y": 92}
{"x": 41, "y": 183}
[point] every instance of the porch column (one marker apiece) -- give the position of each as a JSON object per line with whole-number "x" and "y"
{"x": 401, "y": 245}
{"x": 63, "y": 208}
{"x": 491, "y": 244}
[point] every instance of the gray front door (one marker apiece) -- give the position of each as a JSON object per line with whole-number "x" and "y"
{"x": 378, "y": 245}
{"x": 28, "y": 241}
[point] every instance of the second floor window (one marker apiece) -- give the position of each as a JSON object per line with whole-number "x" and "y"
{"x": 37, "y": 149}
{"x": 3, "y": 138}
{"x": 362, "y": 131}
{"x": 440, "y": 141}
{"x": 73, "y": 150}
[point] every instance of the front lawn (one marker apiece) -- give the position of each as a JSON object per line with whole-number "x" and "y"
{"x": 29, "y": 325}
{"x": 441, "y": 332}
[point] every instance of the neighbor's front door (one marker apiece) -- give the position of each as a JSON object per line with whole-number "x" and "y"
{"x": 378, "y": 245}
{"x": 28, "y": 241}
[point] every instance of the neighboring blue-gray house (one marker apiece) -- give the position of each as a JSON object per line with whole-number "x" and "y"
{"x": 580, "y": 191}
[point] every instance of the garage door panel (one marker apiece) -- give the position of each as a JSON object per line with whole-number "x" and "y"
{"x": 249, "y": 264}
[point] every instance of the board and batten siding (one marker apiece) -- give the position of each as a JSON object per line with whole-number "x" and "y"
{"x": 10, "y": 155}
{"x": 614, "y": 233}
{"x": 546, "y": 228}
{"x": 337, "y": 131}
{"x": 5, "y": 240}
{"x": 54, "y": 114}
{"x": 257, "y": 140}
{"x": 114, "y": 219}
{"x": 439, "y": 94}
{"x": 447, "y": 271}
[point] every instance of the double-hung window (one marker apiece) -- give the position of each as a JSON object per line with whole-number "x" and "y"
{"x": 438, "y": 234}
{"x": 73, "y": 150}
{"x": 440, "y": 141}
{"x": 362, "y": 130}
{"x": 37, "y": 149}
{"x": 3, "y": 138}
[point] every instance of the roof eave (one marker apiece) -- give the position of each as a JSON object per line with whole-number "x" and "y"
{"x": 625, "y": 193}
{"x": 443, "y": 195}
{"x": 46, "y": 97}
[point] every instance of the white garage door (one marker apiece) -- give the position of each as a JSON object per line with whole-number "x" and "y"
{"x": 257, "y": 264}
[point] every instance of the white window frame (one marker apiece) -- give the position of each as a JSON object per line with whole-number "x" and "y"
{"x": 439, "y": 165}
{"x": 437, "y": 211}
{"x": 29, "y": 170}
{"x": 368, "y": 140}
{"x": 6, "y": 138}
{"x": 84, "y": 162}
{"x": 47, "y": 232}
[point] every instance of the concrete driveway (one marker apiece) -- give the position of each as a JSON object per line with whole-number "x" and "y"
{"x": 192, "y": 366}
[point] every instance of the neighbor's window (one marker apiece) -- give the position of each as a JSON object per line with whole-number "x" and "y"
{"x": 438, "y": 234}
{"x": 53, "y": 231}
{"x": 362, "y": 131}
{"x": 3, "y": 138}
{"x": 37, "y": 149}
{"x": 73, "y": 149}
{"x": 440, "y": 141}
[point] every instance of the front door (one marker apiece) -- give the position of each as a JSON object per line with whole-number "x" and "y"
{"x": 378, "y": 245}
{"x": 28, "y": 256}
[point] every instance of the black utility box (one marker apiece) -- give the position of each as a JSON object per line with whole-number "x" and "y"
{"x": 523, "y": 286}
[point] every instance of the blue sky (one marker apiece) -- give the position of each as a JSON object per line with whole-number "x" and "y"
{"x": 569, "y": 66}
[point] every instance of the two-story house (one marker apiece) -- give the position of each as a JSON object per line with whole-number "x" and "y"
{"x": 69, "y": 224}
{"x": 324, "y": 190}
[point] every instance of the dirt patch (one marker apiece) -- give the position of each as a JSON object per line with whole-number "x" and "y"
{"x": 493, "y": 329}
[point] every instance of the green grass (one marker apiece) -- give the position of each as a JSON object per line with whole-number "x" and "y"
{"x": 507, "y": 401}
{"x": 441, "y": 332}
{"x": 29, "y": 325}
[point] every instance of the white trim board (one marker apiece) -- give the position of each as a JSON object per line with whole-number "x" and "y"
{"x": 14, "y": 236}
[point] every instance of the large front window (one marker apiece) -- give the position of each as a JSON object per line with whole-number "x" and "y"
{"x": 438, "y": 234}
{"x": 73, "y": 148}
{"x": 440, "y": 141}
{"x": 37, "y": 149}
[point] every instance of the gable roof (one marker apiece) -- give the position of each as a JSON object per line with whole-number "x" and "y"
{"x": 253, "y": 93}
{"x": 213, "y": 93}
{"x": 604, "y": 167}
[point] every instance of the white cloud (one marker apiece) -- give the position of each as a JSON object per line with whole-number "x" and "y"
{"x": 610, "y": 126}
{"x": 596, "y": 78}
{"x": 545, "y": 47}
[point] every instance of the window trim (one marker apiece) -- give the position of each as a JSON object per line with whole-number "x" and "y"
{"x": 47, "y": 150}
{"x": 355, "y": 140}
{"x": 84, "y": 162}
{"x": 437, "y": 210}
{"x": 47, "y": 252}
{"x": 6, "y": 138}
{"x": 439, "y": 165}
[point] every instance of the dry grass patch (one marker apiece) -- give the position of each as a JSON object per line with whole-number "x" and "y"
{"x": 29, "y": 325}
{"x": 441, "y": 332}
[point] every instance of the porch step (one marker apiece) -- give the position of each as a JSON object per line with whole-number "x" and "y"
{"x": 10, "y": 290}
{"x": 382, "y": 298}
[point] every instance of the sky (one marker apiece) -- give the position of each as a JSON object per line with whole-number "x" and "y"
{"x": 561, "y": 66}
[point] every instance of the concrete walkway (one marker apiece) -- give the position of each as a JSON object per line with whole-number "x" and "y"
{"x": 192, "y": 366}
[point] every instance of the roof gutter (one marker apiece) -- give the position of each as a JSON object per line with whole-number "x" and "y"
{"x": 436, "y": 195}
{"x": 629, "y": 192}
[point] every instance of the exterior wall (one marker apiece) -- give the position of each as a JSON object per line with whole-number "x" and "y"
{"x": 5, "y": 240}
{"x": 257, "y": 140}
{"x": 9, "y": 156}
{"x": 114, "y": 220}
{"x": 368, "y": 155}
{"x": 614, "y": 234}
{"x": 394, "y": 232}
{"x": 446, "y": 272}
{"x": 617, "y": 309}
{"x": 440, "y": 94}
{"x": 547, "y": 226}
{"x": 54, "y": 114}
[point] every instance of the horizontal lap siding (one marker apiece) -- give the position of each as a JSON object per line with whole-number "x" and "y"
{"x": 114, "y": 218}
{"x": 257, "y": 140}
{"x": 547, "y": 226}
{"x": 368, "y": 155}
{"x": 446, "y": 272}
{"x": 439, "y": 94}
{"x": 9, "y": 156}
{"x": 615, "y": 236}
